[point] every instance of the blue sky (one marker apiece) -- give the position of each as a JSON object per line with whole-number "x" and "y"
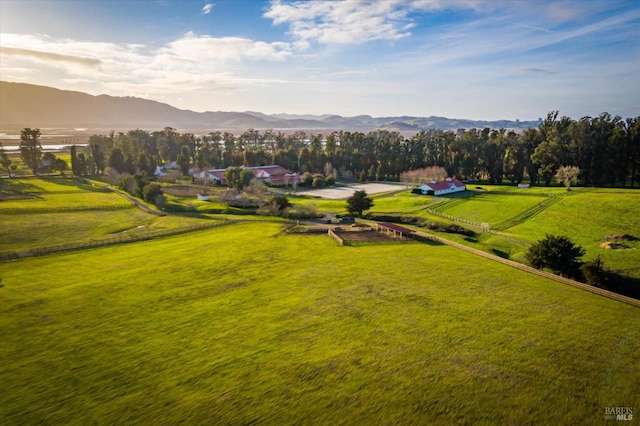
{"x": 476, "y": 59}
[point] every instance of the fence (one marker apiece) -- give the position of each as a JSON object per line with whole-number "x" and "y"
{"x": 573, "y": 283}
{"x": 336, "y": 237}
{"x": 458, "y": 219}
{"x": 122, "y": 239}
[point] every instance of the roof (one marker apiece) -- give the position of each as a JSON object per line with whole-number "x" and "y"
{"x": 286, "y": 179}
{"x": 397, "y": 228}
{"x": 445, "y": 184}
{"x": 277, "y": 175}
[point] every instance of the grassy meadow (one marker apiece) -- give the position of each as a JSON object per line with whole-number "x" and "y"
{"x": 250, "y": 324}
{"x": 246, "y": 324}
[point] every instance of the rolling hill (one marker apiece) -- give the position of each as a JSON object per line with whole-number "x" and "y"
{"x": 26, "y": 105}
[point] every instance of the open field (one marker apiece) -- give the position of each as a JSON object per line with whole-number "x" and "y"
{"x": 248, "y": 325}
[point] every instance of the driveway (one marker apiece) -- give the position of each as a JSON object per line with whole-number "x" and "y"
{"x": 343, "y": 192}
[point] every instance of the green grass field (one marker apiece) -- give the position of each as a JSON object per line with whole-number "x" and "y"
{"x": 248, "y": 325}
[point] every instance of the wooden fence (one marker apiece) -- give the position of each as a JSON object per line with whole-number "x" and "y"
{"x": 522, "y": 267}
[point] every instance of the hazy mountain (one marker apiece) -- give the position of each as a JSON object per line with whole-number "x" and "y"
{"x": 26, "y": 105}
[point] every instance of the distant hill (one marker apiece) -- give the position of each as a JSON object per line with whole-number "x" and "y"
{"x": 26, "y": 105}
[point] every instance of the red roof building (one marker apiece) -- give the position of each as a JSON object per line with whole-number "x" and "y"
{"x": 442, "y": 187}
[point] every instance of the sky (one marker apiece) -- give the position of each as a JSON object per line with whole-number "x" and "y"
{"x": 474, "y": 59}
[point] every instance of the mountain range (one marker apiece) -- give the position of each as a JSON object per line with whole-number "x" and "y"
{"x": 27, "y": 105}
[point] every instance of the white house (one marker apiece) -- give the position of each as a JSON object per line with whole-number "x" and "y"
{"x": 443, "y": 187}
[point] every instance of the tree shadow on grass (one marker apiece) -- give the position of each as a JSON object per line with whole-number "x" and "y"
{"x": 426, "y": 241}
{"x": 500, "y": 253}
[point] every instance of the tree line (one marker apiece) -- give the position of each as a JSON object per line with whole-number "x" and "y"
{"x": 605, "y": 150}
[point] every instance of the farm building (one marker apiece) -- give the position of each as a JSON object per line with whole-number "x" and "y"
{"x": 271, "y": 175}
{"x": 442, "y": 187}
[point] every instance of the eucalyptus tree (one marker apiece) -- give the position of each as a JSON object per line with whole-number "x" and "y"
{"x": 30, "y": 148}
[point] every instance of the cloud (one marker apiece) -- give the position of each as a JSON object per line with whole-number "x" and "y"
{"x": 225, "y": 49}
{"x": 185, "y": 67}
{"x": 206, "y": 9}
{"x": 49, "y": 56}
{"x": 342, "y": 22}
{"x": 359, "y": 21}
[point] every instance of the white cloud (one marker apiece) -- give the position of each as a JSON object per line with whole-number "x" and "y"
{"x": 206, "y": 9}
{"x": 342, "y": 22}
{"x": 186, "y": 68}
{"x": 49, "y": 56}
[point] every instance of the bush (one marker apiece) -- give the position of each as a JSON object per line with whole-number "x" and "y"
{"x": 318, "y": 182}
{"x": 281, "y": 202}
{"x": 330, "y": 180}
{"x": 307, "y": 179}
{"x": 450, "y": 228}
{"x": 309, "y": 211}
{"x": 151, "y": 191}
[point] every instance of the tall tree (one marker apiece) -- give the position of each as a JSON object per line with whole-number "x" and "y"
{"x": 183, "y": 160}
{"x": 359, "y": 202}
{"x": 116, "y": 161}
{"x": 74, "y": 160}
{"x": 30, "y": 148}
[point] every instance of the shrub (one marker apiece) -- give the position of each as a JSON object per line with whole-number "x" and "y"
{"x": 281, "y": 202}
{"x": 318, "y": 182}
{"x": 450, "y": 228}
{"x": 330, "y": 180}
{"x": 307, "y": 179}
{"x": 151, "y": 191}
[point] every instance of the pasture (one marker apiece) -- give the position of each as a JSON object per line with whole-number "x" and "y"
{"x": 251, "y": 324}
{"x": 246, "y": 324}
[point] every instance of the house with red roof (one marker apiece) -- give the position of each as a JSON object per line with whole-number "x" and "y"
{"x": 443, "y": 187}
{"x": 271, "y": 175}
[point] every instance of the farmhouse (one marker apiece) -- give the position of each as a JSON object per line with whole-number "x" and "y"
{"x": 442, "y": 187}
{"x": 271, "y": 175}
{"x": 276, "y": 175}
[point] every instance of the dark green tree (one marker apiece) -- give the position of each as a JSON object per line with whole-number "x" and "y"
{"x": 151, "y": 192}
{"x": 246, "y": 176}
{"x": 97, "y": 153}
{"x": 30, "y": 148}
{"x": 359, "y": 202}
{"x": 557, "y": 253}
{"x": 232, "y": 176}
{"x": 82, "y": 165}
{"x": 74, "y": 160}
{"x": 183, "y": 160}
{"x": 116, "y": 161}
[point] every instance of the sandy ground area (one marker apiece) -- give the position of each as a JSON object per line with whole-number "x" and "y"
{"x": 347, "y": 191}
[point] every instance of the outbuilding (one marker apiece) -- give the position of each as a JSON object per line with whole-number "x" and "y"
{"x": 442, "y": 187}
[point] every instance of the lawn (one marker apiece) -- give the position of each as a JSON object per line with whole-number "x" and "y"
{"x": 245, "y": 324}
{"x": 27, "y": 231}
{"x": 586, "y": 217}
{"x": 489, "y": 207}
